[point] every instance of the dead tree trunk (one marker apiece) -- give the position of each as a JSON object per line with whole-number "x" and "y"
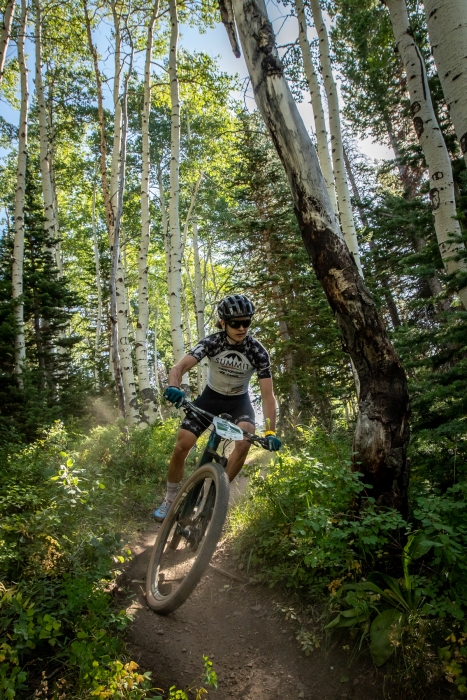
{"x": 382, "y": 431}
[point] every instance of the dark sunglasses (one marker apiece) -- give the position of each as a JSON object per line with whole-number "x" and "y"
{"x": 239, "y": 324}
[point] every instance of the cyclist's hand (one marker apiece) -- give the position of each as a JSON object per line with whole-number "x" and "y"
{"x": 174, "y": 395}
{"x": 274, "y": 444}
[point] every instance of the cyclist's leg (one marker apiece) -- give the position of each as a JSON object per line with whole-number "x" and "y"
{"x": 185, "y": 441}
{"x": 239, "y": 454}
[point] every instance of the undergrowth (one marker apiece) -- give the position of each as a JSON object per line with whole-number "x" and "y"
{"x": 68, "y": 504}
{"x": 399, "y": 585}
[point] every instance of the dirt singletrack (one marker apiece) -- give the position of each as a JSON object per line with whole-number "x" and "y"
{"x": 241, "y": 627}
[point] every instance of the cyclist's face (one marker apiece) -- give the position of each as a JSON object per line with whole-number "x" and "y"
{"x": 237, "y": 334}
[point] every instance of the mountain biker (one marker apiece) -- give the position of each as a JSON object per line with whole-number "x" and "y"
{"x": 234, "y": 356}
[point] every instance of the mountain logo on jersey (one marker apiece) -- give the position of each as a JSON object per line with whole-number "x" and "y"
{"x": 233, "y": 360}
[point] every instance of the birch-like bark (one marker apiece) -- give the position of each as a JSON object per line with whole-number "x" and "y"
{"x": 431, "y": 140}
{"x": 146, "y": 391}
{"x": 44, "y": 150}
{"x": 165, "y": 224}
{"x": 200, "y": 305}
{"x": 114, "y": 357}
{"x": 119, "y": 310}
{"x": 382, "y": 434}
{"x": 117, "y": 135}
{"x": 337, "y": 145}
{"x": 447, "y": 28}
{"x": 95, "y": 243}
{"x": 199, "y": 291}
{"x": 191, "y": 208}
{"x": 109, "y": 214}
{"x": 175, "y": 247}
{"x": 316, "y": 103}
{"x": 6, "y": 33}
{"x": 18, "y": 245}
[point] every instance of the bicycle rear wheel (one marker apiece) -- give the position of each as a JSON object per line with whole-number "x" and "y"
{"x": 187, "y": 538}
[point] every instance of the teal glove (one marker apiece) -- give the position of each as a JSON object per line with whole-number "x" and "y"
{"x": 274, "y": 443}
{"x": 174, "y": 395}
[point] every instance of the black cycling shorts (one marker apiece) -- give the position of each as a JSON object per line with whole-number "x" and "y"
{"x": 239, "y": 407}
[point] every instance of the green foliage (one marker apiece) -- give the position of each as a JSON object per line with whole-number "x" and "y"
{"x": 298, "y": 522}
{"x": 66, "y": 503}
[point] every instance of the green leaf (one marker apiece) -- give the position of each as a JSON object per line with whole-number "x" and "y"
{"x": 385, "y": 633}
{"x": 418, "y": 545}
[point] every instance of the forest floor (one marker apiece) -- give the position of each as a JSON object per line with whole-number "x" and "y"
{"x": 242, "y": 627}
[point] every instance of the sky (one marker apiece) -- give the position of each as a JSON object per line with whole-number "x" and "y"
{"x": 215, "y": 43}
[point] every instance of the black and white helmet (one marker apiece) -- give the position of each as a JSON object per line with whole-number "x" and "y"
{"x": 235, "y": 305}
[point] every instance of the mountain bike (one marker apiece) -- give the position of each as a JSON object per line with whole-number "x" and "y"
{"x": 192, "y": 528}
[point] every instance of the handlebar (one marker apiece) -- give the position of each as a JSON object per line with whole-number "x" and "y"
{"x": 251, "y": 437}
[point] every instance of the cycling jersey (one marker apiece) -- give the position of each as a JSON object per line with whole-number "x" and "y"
{"x": 231, "y": 366}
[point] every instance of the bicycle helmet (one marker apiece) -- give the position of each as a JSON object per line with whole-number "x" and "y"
{"x": 234, "y": 306}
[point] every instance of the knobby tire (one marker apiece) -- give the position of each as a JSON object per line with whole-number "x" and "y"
{"x": 168, "y": 603}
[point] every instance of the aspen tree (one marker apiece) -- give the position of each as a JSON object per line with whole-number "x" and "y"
{"x": 316, "y": 103}
{"x": 175, "y": 247}
{"x": 337, "y": 145}
{"x": 119, "y": 310}
{"x": 149, "y": 407}
{"x": 44, "y": 152}
{"x": 114, "y": 357}
{"x": 447, "y": 29}
{"x": 117, "y": 132}
{"x": 381, "y": 436}
{"x": 117, "y": 188}
{"x": 6, "y": 33}
{"x": 431, "y": 140}
{"x": 18, "y": 245}
{"x": 200, "y": 304}
{"x": 98, "y": 286}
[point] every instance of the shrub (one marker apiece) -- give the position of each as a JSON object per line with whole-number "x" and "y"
{"x": 63, "y": 500}
{"x": 297, "y": 523}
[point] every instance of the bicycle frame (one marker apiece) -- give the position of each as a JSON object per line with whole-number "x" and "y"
{"x": 209, "y": 454}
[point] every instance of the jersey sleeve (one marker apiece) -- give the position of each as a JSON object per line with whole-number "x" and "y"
{"x": 200, "y": 350}
{"x": 207, "y": 347}
{"x": 262, "y": 362}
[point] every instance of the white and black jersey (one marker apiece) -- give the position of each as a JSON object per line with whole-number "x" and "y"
{"x": 231, "y": 366}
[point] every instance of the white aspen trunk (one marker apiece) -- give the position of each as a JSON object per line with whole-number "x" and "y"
{"x": 200, "y": 303}
{"x": 146, "y": 391}
{"x": 98, "y": 288}
{"x": 186, "y": 315}
{"x": 18, "y": 245}
{"x": 124, "y": 350}
{"x": 44, "y": 151}
{"x": 165, "y": 224}
{"x": 190, "y": 210}
{"x": 175, "y": 276}
{"x": 200, "y": 306}
{"x": 117, "y": 135}
{"x": 431, "y": 140}
{"x": 114, "y": 358}
{"x": 6, "y": 33}
{"x": 342, "y": 187}
{"x": 119, "y": 292}
{"x": 447, "y": 29}
{"x": 316, "y": 103}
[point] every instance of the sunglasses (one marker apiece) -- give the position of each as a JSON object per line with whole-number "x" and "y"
{"x": 239, "y": 324}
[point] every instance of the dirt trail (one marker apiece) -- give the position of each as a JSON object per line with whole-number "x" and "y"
{"x": 253, "y": 648}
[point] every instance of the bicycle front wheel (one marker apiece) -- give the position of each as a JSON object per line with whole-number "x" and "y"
{"x": 187, "y": 539}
